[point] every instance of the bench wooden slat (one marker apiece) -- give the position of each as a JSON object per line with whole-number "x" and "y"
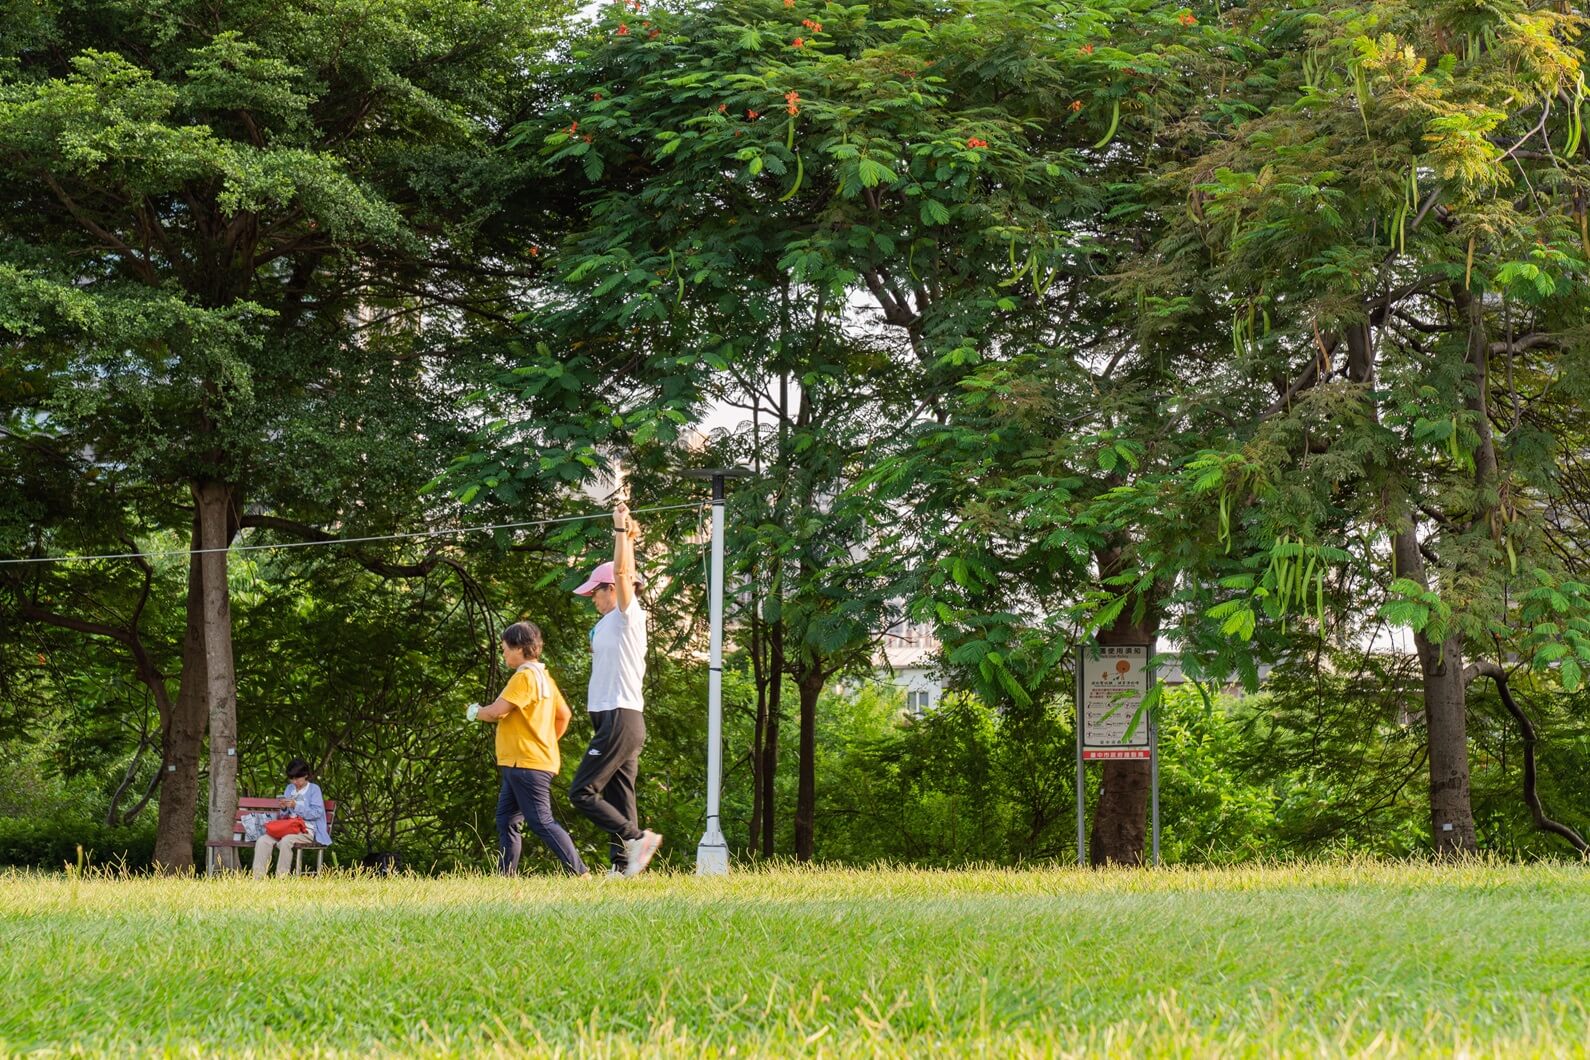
{"x": 257, "y": 803}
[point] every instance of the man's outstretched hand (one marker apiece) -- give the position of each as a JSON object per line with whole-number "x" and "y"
{"x": 624, "y": 520}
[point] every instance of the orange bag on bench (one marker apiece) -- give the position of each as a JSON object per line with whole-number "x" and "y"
{"x": 285, "y": 826}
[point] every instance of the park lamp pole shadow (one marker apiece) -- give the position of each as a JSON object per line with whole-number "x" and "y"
{"x": 712, "y": 854}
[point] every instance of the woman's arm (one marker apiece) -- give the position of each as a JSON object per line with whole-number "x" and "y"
{"x": 314, "y": 805}
{"x": 561, "y": 717}
{"x": 494, "y": 711}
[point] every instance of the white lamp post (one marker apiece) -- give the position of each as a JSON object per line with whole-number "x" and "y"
{"x": 712, "y": 854}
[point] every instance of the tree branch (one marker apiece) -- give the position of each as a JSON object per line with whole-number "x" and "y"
{"x": 1521, "y": 343}
{"x": 1531, "y": 796}
{"x": 141, "y": 265}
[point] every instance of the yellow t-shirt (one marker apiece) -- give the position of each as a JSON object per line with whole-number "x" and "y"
{"x": 527, "y": 736}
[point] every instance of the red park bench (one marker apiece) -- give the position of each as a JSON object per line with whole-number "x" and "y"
{"x": 248, "y": 804}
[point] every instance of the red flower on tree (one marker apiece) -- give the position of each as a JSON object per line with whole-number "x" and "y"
{"x": 752, "y": 115}
{"x": 798, "y": 42}
{"x": 1076, "y": 105}
{"x": 574, "y": 127}
{"x": 535, "y": 251}
{"x": 653, "y": 34}
{"x": 792, "y": 101}
{"x": 1188, "y": 19}
{"x": 813, "y": 25}
{"x": 623, "y": 29}
{"x": 974, "y": 141}
{"x": 723, "y": 108}
{"x": 1086, "y": 49}
{"x": 596, "y": 96}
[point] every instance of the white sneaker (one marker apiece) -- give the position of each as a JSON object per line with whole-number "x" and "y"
{"x": 615, "y": 874}
{"x": 638, "y": 852}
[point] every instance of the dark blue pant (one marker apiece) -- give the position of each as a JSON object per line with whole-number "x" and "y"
{"x": 526, "y": 798}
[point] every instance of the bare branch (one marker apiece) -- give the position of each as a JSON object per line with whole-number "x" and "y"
{"x": 1531, "y": 796}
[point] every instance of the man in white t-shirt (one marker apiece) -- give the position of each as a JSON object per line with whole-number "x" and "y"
{"x": 604, "y": 786}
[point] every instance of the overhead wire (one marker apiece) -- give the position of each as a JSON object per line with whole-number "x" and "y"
{"x": 405, "y": 536}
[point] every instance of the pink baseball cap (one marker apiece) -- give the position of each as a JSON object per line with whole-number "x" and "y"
{"x": 603, "y": 575}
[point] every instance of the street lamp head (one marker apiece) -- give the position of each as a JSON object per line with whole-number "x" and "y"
{"x": 716, "y": 472}
{"x": 717, "y": 476}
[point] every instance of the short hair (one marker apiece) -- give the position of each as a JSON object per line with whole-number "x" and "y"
{"x": 526, "y": 636}
{"x": 298, "y": 768}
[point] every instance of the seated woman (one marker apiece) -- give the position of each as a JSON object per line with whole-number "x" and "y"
{"x": 301, "y": 801}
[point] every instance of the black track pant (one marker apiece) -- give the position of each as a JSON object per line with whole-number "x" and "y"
{"x": 604, "y": 786}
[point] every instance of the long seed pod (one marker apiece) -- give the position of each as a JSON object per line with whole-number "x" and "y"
{"x": 1283, "y": 581}
{"x": 1575, "y": 119}
{"x": 1115, "y": 120}
{"x": 800, "y": 171}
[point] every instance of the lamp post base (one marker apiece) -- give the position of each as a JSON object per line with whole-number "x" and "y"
{"x": 712, "y": 855}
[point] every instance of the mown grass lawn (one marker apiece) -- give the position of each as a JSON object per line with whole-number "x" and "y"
{"x": 1372, "y": 959}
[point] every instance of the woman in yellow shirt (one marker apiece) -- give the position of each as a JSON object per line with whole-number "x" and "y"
{"x": 531, "y": 717}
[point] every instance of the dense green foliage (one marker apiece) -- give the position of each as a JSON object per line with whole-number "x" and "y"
{"x": 1260, "y": 329}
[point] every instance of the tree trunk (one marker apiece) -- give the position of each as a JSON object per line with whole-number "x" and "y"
{"x": 1445, "y": 712}
{"x": 1120, "y": 818}
{"x": 759, "y": 728}
{"x": 775, "y": 708}
{"x": 184, "y": 736}
{"x": 810, "y": 685}
{"x": 1441, "y": 664}
{"x": 220, "y": 685}
{"x": 1445, "y": 719}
